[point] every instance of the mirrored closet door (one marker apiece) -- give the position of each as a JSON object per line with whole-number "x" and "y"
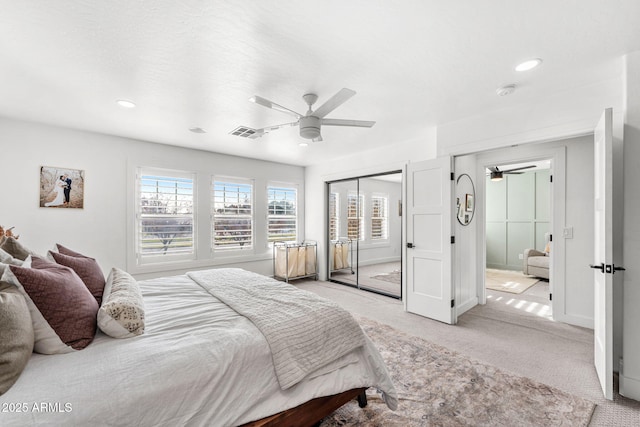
{"x": 365, "y": 233}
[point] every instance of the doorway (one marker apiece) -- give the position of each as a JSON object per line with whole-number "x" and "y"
{"x": 518, "y": 235}
{"x": 365, "y": 233}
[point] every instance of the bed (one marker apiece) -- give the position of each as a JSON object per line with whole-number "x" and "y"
{"x": 198, "y": 362}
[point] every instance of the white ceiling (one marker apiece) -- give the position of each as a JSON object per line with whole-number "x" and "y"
{"x": 414, "y": 64}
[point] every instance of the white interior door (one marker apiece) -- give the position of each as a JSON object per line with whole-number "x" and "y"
{"x": 428, "y": 253}
{"x": 603, "y": 253}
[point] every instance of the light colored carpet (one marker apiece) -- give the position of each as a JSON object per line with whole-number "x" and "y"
{"x": 508, "y": 281}
{"x": 437, "y": 386}
{"x": 505, "y": 334}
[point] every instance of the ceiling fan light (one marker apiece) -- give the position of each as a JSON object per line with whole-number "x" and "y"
{"x": 303, "y": 144}
{"x": 309, "y": 127}
{"x": 496, "y": 176}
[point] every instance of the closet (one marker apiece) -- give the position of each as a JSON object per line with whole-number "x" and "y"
{"x": 364, "y": 239}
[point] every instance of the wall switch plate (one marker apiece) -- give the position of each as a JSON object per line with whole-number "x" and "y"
{"x": 521, "y": 256}
{"x": 567, "y": 233}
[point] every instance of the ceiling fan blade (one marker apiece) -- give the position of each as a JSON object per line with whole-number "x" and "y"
{"x": 266, "y": 103}
{"x": 342, "y": 122}
{"x": 334, "y": 102}
{"x": 518, "y": 169}
{"x": 494, "y": 169}
{"x": 265, "y": 130}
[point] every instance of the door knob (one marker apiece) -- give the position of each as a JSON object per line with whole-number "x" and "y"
{"x": 598, "y": 267}
{"x": 410, "y": 245}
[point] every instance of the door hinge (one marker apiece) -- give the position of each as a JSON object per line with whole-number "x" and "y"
{"x": 550, "y": 297}
{"x": 550, "y": 178}
{"x": 453, "y": 239}
{"x": 551, "y": 237}
{"x": 453, "y": 176}
{"x": 453, "y": 303}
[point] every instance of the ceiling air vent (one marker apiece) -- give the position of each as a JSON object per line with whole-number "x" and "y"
{"x": 245, "y": 132}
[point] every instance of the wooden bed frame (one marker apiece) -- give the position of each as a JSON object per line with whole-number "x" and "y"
{"x": 312, "y": 412}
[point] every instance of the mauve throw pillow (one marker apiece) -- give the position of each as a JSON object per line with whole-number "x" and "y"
{"x": 88, "y": 270}
{"x": 16, "y": 335}
{"x": 63, "y": 300}
{"x": 69, "y": 252}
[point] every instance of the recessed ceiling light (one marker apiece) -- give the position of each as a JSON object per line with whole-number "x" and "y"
{"x": 529, "y": 64}
{"x": 197, "y": 130}
{"x": 125, "y": 103}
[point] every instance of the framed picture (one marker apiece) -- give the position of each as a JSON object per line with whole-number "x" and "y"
{"x": 469, "y": 203}
{"x": 61, "y": 187}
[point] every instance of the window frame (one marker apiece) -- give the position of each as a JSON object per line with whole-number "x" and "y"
{"x": 144, "y": 260}
{"x": 286, "y": 187}
{"x": 384, "y": 219}
{"x": 232, "y": 250}
{"x": 360, "y": 211}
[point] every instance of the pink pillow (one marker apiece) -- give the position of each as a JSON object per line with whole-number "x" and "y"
{"x": 69, "y": 252}
{"x": 88, "y": 270}
{"x": 64, "y": 302}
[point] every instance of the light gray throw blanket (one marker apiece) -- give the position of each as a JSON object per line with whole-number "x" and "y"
{"x": 305, "y": 332}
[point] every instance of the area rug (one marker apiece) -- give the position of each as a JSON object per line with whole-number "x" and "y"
{"x": 393, "y": 277}
{"x": 514, "y": 282}
{"x": 439, "y": 387}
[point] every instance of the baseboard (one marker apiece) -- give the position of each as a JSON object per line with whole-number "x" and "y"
{"x": 585, "y": 322}
{"x": 629, "y": 387}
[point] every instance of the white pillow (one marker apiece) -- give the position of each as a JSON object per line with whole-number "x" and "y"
{"x": 122, "y": 312}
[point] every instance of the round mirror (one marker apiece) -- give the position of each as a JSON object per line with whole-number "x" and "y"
{"x": 465, "y": 199}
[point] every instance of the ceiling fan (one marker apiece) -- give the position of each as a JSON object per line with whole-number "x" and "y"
{"x": 311, "y": 122}
{"x": 496, "y": 173}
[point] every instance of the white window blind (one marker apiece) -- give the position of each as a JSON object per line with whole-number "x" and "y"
{"x": 334, "y": 215}
{"x": 232, "y": 204}
{"x": 355, "y": 217}
{"x": 165, "y": 215}
{"x": 281, "y": 214}
{"x": 379, "y": 223}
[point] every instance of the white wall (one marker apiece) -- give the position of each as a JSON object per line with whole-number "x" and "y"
{"x": 103, "y": 228}
{"x": 393, "y": 157}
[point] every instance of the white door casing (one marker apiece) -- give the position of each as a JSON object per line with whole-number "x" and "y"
{"x": 603, "y": 252}
{"x": 429, "y": 230}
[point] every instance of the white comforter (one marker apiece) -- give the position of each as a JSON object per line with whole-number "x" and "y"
{"x": 198, "y": 363}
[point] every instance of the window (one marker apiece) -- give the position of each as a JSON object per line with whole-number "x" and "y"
{"x": 379, "y": 223}
{"x": 165, "y": 215}
{"x": 281, "y": 214}
{"x": 355, "y": 217}
{"x": 334, "y": 216}
{"x": 232, "y": 214}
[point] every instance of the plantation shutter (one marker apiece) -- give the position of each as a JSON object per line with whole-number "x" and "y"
{"x": 232, "y": 213}
{"x": 334, "y": 219}
{"x": 379, "y": 227}
{"x": 281, "y": 214}
{"x": 355, "y": 217}
{"x": 165, "y": 215}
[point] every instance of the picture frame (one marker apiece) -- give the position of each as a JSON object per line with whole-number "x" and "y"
{"x": 61, "y": 187}
{"x": 468, "y": 203}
